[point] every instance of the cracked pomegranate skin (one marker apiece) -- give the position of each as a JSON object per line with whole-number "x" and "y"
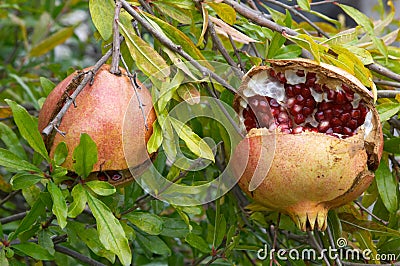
{"x": 311, "y": 172}
{"x": 99, "y": 112}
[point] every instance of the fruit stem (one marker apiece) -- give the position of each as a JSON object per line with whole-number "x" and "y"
{"x": 116, "y": 43}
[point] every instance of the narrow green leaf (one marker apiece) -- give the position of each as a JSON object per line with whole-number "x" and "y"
{"x": 3, "y": 259}
{"x": 90, "y": 237}
{"x": 28, "y": 128}
{"x": 156, "y": 138}
{"x": 78, "y": 205}
{"x": 224, "y": 11}
{"x": 24, "y": 180}
{"x": 387, "y": 187}
{"x": 26, "y": 88}
{"x": 205, "y": 25}
{"x": 220, "y": 231}
{"x": 33, "y": 250}
{"x": 147, "y": 222}
{"x": 85, "y": 155}
{"x": 102, "y": 13}
{"x": 101, "y": 188}
{"x": 304, "y": 4}
{"x": 11, "y": 141}
{"x": 110, "y": 231}
{"x": 61, "y": 152}
{"x": 47, "y": 85}
{"x": 306, "y": 42}
{"x": 10, "y": 160}
{"x": 145, "y": 57}
{"x": 288, "y": 51}
{"x": 59, "y": 209}
{"x": 45, "y": 241}
{"x": 168, "y": 89}
{"x": 154, "y": 244}
{"x": 174, "y": 227}
{"x": 195, "y": 144}
{"x": 387, "y": 110}
{"x": 392, "y": 145}
{"x": 179, "y": 14}
{"x": 197, "y": 242}
{"x": 52, "y": 41}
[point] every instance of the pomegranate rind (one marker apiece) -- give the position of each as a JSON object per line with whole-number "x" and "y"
{"x": 311, "y": 172}
{"x": 99, "y": 112}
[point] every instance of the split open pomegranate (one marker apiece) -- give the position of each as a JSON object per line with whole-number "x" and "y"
{"x": 100, "y": 111}
{"x": 321, "y": 127}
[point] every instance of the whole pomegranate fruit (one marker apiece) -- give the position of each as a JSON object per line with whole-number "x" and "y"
{"x": 100, "y": 110}
{"x": 317, "y": 128}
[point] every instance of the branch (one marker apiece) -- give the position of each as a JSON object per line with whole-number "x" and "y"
{"x": 116, "y": 42}
{"x": 387, "y": 83}
{"x": 387, "y": 93}
{"x": 9, "y": 196}
{"x": 176, "y": 48}
{"x": 317, "y": 246}
{"x": 370, "y": 213}
{"x": 237, "y": 54}
{"x": 383, "y": 71}
{"x": 13, "y": 218}
{"x": 78, "y": 256}
{"x": 332, "y": 242}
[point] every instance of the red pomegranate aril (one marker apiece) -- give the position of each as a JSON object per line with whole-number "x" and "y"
{"x": 324, "y": 106}
{"x": 331, "y": 95}
{"x": 307, "y": 111}
{"x": 250, "y": 123}
{"x": 318, "y": 88}
{"x": 337, "y": 111}
{"x": 290, "y": 102}
{"x": 297, "y": 130}
{"x": 263, "y": 106}
{"x": 352, "y": 124}
{"x": 329, "y": 131}
{"x": 310, "y": 103}
{"x": 283, "y": 117}
{"x": 306, "y": 92}
{"x": 347, "y": 107}
{"x": 325, "y": 88}
{"x": 336, "y": 122}
{"x": 116, "y": 177}
{"x": 345, "y": 117}
{"x": 319, "y": 116}
{"x": 275, "y": 111}
{"x": 347, "y": 131}
{"x": 299, "y": 98}
{"x": 102, "y": 177}
{"x": 349, "y": 96}
{"x": 363, "y": 109}
{"x": 340, "y": 97}
{"x": 311, "y": 78}
{"x": 300, "y": 73}
{"x": 289, "y": 90}
{"x": 355, "y": 114}
{"x": 272, "y": 73}
{"x": 286, "y": 130}
{"x": 296, "y": 109}
{"x": 274, "y": 103}
{"x": 328, "y": 114}
{"x": 346, "y": 88}
{"x": 337, "y": 129}
{"x": 299, "y": 119}
{"x": 323, "y": 126}
{"x": 281, "y": 77}
{"x": 297, "y": 89}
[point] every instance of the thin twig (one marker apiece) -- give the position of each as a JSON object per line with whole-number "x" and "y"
{"x": 332, "y": 242}
{"x": 176, "y": 48}
{"x": 387, "y": 93}
{"x": 315, "y": 244}
{"x": 370, "y": 213}
{"x": 383, "y": 71}
{"x": 275, "y": 238}
{"x": 387, "y": 83}
{"x": 116, "y": 42}
{"x": 77, "y": 255}
{"x": 300, "y": 15}
{"x": 13, "y": 218}
{"x": 146, "y": 6}
{"x": 237, "y": 54}
{"x": 9, "y": 196}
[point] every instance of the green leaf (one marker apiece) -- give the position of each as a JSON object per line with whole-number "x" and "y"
{"x": 52, "y": 41}
{"x": 28, "y": 128}
{"x": 224, "y": 11}
{"x": 33, "y": 250}
{"x": 85, "y": 155}
{"x": 145, "y": 57}
{"x": 387, "y": 187}
{"x": 110, "y": 231}
{"x": 173, "y": 227}
{"x": 147, "y": 222}
{"x": 154, "y": 244}
{"x": 61, "y": 152}
{"x": 197, "y": 242}
{"x": 168, "y": 89}
{"x": 78, "y": 205}
{"x": 392, "y": 145}
{"x": 387, "y": 110}
{"x": 195, "y": 144}
{"x": 47, "y": 85}
{"x": 90, "y": 237}
{"x": 288, "y": 51}
{"x": 101, "y": 188}
{"x": 26, "y": 88}
{"x": 179, "y": 14}
{"x": 276, "y": 43}
{"x": 59, "y": 209}
{"x": 306, "y": 42}
{"x": 45, "y": 241}
{"x": 37, "y": 209}
{"x": 10, "y": 160}
{"x": 3, "y": 259}
{"x": 204, "y": 27}
{"x": 102, "y": 13}
{"x": 304, "y": 4}
{"x": 24, "y": 180}
{"x": 220, "y": 231}
{"x": 156, "y": 138}
{"x": 11, "y": 141}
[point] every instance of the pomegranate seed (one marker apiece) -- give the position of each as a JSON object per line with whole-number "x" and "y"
{"x": 337, "y": 129}
{"x": 349, "y": 96}
{"x": 300, "y": 73}
{"x": 290, "y": 102}
{"x": 331, "y": 94}
{"x": 318, "y": 88}
{"x": 347, "y": 107}
{"x": 285, "y": 130}
{"x": 337, "y": 111}
{"x": 310, "y": 103}
{"x": 263, "y": 106}
{"x": 254, "y": 102}
{"x": 275, "y": 111}
{"x": 273, "y": 103}
{"x": 324, "y": 106}
{"x": 340, "y": 97}
{"x": 306, "y": 92}
{"x": 329, "y": 131}
{"x": 319, "y": 116}
{"x": 336, "y": 122}
{"x": 325, "y": 88}
{"x": 323, "y": 126}
{"x": 312, "y": 129}
{"x": 345, "y": 117}
{"x": 355, "y": 114}
{"x": 297, "y": 89}
{"x": 297, "y": 130}
{"x": 272, "y": 73}
{"x": 299, "y": 118}
{"x": 347, "y": 131}
{"x": 296, "y": 109}
{"x": 102, "y": 177}
{"x": 328, "y": 114}
{"x": 310, "y": 79}
{"x": 289, "y": 90}
{"x": 281, "y": 77}
{"x": 307, "y": 111}
{"x": 352, "y": 124}
{"x": 346, "y": 88}
{"x": 363, "y": 109}
{"x": 283, "y": 117}
{"x": 299, "y": 98}
{"x": 116, "y": 177}
{"x": 250, "y": 123}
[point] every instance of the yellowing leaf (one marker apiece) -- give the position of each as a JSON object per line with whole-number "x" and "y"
{"x": 224, "y": 11}
{"x": 52, "y": 41}
{"x": 225, "y": 29}
{"x": 145, "y": 57}
{"x": 102, "y": 13}
{"x": 205, "y": 25}
{"x": 189, "y": 93}
{"x": 304, "y": 4}
{"x": 5, "y": 112}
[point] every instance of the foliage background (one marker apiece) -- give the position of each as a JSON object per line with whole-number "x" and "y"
{"x": 42, "y": 41}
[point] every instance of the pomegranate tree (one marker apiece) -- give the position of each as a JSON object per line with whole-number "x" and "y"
{"x": 99, "y": 111}
{"x": 317, "y": 127}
